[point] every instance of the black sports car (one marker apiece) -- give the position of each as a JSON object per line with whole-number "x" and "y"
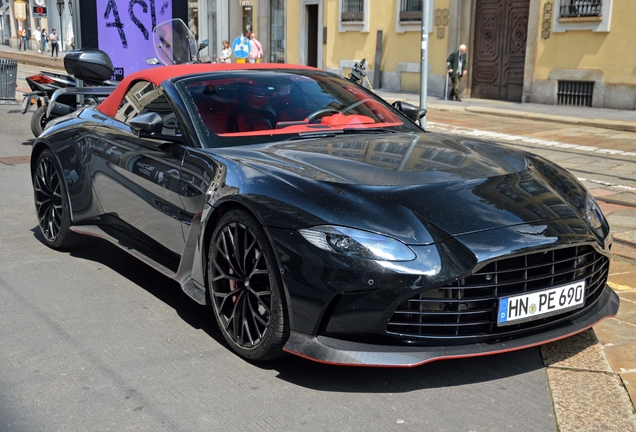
{"x": 316, "y": 219}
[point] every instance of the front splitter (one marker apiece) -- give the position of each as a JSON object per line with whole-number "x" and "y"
{"x": 340, "y": 352}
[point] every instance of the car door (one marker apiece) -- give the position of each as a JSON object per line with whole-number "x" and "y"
{"x": 136, "y": 179}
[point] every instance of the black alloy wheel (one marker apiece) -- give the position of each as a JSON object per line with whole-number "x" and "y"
{"x": 245, "y": 288}
{"x": 51, "y": 204}
{"x": 38, "y": 121}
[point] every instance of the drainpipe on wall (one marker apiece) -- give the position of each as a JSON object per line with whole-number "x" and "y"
{"x": 378, "y": 60}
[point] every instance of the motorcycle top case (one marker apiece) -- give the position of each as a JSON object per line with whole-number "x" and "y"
{"x": 89, "y": 64}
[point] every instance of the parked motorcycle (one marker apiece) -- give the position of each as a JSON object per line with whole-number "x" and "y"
{"x": 55, "y": 95}
{"x": 44, "y": 85}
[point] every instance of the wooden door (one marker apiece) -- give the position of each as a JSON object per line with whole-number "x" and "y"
{"x": 501, "y": 28}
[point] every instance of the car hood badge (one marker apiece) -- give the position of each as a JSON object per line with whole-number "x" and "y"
{"x": 532, "y": 230}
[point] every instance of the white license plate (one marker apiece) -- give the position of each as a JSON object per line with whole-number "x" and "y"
{"x": 541, "y": 304}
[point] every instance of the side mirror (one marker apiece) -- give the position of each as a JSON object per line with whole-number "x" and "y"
{"x": 204, "y": 44}
{"x": 148, "y": 122}
{"x": 411, "y": 111}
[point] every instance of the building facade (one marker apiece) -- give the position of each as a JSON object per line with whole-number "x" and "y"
{"x": 571, "y": 52}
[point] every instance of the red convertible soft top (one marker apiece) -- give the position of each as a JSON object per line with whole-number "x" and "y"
{"x": 160, "y": 74}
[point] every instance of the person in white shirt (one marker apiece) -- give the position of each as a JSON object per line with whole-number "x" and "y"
{"x": 37, "y": 36}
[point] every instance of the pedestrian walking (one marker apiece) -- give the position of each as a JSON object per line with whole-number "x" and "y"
{"x": 22, "y": 42}
{"x": 456, "y": 66}
{"x": 226, "y": 53}
{"x": 37, "y": 37}
{"x": 256, "y": 49}
{"x": 45, "y": 41}
{"x": 54, "y": 43}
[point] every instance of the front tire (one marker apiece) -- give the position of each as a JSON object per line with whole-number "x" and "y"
{"x": 38, "y": 121}
{"x": 51, "y": 204}
{"x": 245, "y": 288}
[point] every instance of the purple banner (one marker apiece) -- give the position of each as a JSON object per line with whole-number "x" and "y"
{"x": 125, "y": 31}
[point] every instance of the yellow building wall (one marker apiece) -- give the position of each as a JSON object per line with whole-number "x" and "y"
{"x": 356, "y": 45}
{"x": 292, "y": 31}
{"x": 397, "y": 47}
{"x": 611, "y": 52}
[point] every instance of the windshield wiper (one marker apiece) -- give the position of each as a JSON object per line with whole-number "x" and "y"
{"x": 369, "y": 130}
{"x": 317, "y": 134}
{"x": 333, "y": 132}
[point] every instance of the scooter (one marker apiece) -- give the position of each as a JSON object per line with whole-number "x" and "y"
{"x": 43, "y": 86}
{"x": 56, "y": 95}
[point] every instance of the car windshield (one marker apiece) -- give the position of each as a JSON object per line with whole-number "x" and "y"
{"x": 246, "y": 107}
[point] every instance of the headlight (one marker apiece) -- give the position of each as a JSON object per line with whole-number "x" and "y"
{"x": 357, "y": 243}
{"x": 593, "y": 213}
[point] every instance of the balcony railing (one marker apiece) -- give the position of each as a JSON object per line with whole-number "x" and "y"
{"x": 352, "y": 10}
{"x": 410, "y": 10}
{"x": 580, "y": 8}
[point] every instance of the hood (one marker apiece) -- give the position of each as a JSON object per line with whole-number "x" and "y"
{"x": 419, "y": 188}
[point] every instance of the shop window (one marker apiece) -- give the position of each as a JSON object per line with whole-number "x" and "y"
{"x": 277, "y": 31}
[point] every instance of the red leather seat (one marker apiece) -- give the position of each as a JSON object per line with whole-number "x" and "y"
{"x": 257, "y": 115}
{"x": 215, "y": 111}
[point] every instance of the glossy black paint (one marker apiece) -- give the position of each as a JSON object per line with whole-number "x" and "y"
{"x": 458, "y": 203}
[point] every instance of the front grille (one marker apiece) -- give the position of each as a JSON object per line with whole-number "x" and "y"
{"x": 468, "y": 307}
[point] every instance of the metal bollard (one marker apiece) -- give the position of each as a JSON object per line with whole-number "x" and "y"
{"x": 8, "y": 77}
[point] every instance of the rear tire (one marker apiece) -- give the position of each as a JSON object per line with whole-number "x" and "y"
{"x": 246, "y": 289}
{"x": 38, "y": 121}
{"x": 51, "y": 204}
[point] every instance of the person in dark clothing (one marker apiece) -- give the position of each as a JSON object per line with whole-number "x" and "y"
{"x": 456, "y": 66}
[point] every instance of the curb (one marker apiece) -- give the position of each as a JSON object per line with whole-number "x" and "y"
{"x": 34, "y": 59}
{"x": 625, "y": 126}
{"x": 602, "y": 124}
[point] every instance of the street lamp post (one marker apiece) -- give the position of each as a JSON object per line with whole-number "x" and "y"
{"x": 19, "y": 8}
{"x": 72, "y": 30}
{"x": 424, "y": 61}
{"x": 60, "y": 8}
